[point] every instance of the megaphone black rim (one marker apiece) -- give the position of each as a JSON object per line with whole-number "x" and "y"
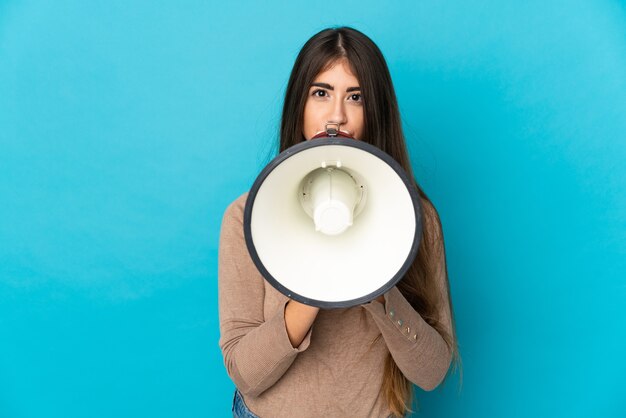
{"x": 305, "y": 145}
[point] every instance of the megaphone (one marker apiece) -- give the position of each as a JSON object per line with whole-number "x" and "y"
{"x": 333, "y": 222}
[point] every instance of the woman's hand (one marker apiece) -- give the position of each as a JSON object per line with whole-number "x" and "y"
{"x": 298, "y": 320}
{"x": 381, "y": 299}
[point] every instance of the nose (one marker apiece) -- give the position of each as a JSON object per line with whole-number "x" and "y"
{"x": 338, "y": 113}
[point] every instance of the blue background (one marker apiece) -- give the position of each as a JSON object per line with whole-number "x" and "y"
{"x": 127, "y": 128}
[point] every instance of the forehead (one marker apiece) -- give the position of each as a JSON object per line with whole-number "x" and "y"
{"x": 338, "y": 70}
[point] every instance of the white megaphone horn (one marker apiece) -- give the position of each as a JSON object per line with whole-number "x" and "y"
{"x": 333, "y": 222}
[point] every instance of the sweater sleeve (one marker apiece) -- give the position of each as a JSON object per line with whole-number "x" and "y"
{"x": 419, "y": 351}
{"x": 256, "y": 350}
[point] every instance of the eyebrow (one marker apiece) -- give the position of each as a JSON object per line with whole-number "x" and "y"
{"x": 329, "y": 87}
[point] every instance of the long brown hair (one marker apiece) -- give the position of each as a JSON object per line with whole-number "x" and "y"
{"x": 383, "y": 129}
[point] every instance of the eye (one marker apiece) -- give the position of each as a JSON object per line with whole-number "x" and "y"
{"x": 356, "y": 97}
{"x": 320, "y": 93}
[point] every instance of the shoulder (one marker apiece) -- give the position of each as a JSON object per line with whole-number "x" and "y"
{"x": 232, "y": 220}
{"x": 430, "y": 213}
{"x": 433, "y": 229}
{"x": 236, "y": 207}
{"x": 427, "y": 206}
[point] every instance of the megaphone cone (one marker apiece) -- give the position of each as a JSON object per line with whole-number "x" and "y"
{"x": 333, "y": 222}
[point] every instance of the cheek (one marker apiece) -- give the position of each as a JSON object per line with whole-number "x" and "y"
{"x": 306, "y": 122}
{"x": 307, "y": 115}
{"x": 310, "y": 119}
{"x": 359, "y": 120}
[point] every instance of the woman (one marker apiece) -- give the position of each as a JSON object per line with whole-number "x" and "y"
{"x": 289, "y": 359}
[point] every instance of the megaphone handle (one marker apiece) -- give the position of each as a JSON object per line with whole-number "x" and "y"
{"x": 332, "y": 129}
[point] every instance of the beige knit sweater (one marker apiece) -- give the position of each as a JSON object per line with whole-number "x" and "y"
{"x": 337, "y": 369}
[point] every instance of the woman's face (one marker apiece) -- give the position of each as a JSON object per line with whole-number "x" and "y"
{"x": 334, "y": 97}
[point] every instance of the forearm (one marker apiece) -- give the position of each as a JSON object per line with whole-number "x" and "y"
{"x": 298, "y": 320}
{"x": 418, "y": 349}
{"x": 257, "y": 355}
{"x": 256, "y": 348}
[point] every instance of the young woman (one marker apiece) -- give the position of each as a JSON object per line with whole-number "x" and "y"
{"x": 289, "y": 359}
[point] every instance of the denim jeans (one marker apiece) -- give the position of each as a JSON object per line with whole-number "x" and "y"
{"x": 240, "y": 410}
